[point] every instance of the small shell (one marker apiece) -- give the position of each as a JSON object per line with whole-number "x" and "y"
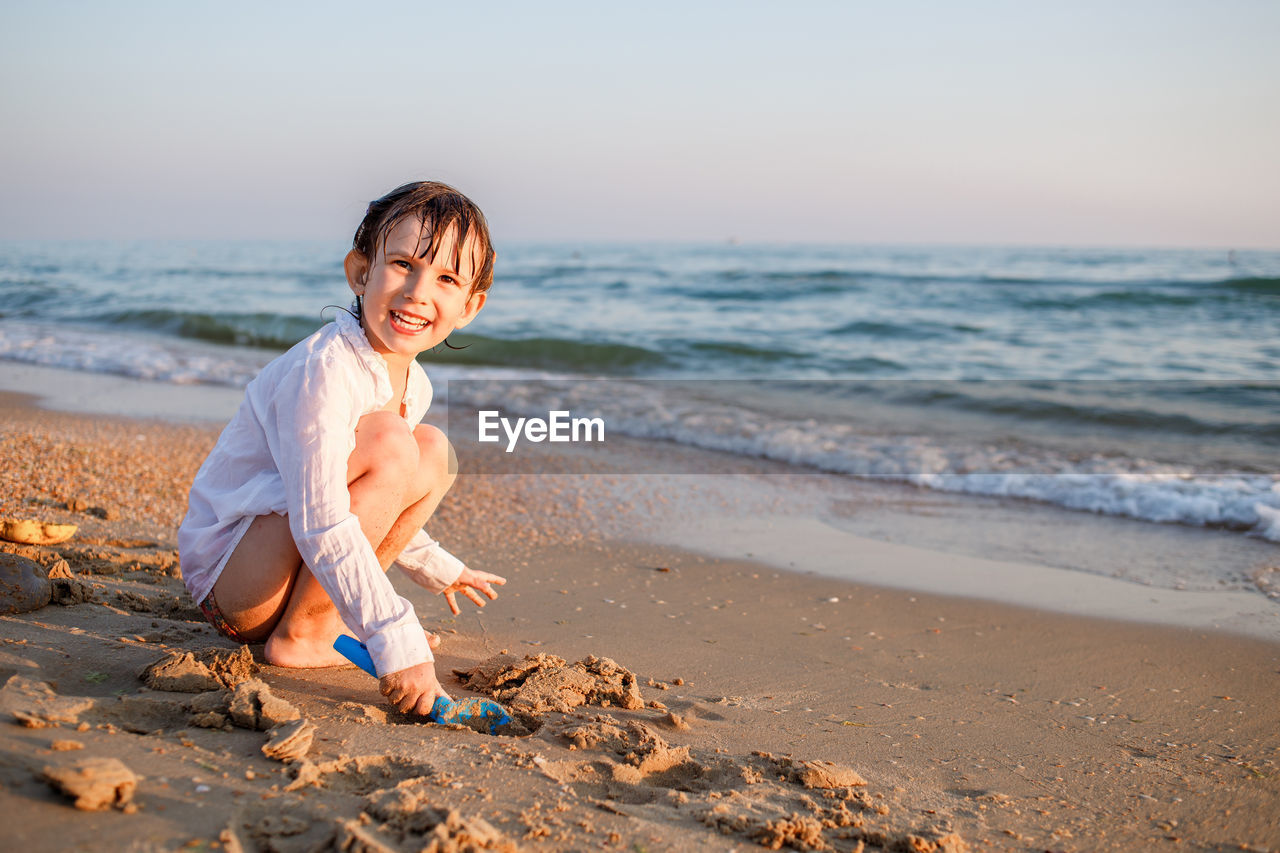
{"x": 29, "y": 531}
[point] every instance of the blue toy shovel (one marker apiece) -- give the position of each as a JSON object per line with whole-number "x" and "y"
{"x": 482, "y": 715}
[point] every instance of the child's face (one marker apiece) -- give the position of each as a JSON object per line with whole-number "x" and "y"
{"x": 411, "y": 304}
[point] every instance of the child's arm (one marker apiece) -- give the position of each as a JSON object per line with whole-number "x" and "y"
{"x": 434, "y": 568}
{"x": 428, "y": 564}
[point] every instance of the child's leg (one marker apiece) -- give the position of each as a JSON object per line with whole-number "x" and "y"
{"x": 396, "y": 480}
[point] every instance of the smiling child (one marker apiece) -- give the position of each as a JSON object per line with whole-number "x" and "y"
{"x": 325, "y": 476}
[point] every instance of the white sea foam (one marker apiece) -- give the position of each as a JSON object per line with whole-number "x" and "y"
{"x": 137, "y": 354}
{"x": 1100, "y": 483}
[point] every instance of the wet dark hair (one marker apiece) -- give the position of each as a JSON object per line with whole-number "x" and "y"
{"x": 436, "y": 206}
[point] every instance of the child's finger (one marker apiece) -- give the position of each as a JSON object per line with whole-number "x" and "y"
{"x": 423, "y": 705}
{"x": 474, "y": 596}
{"x": 453, "y": 604}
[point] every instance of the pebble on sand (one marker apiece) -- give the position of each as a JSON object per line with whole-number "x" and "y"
{"x": 23, "y": 585}
{"x": 30, "y": 531}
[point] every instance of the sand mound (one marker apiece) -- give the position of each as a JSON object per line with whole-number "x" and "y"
{"x": 823, "y": 828}
{"x": 546, "y": 682}
{"x": 358, "y": 774}
{"x": 815, "y": 774}
{"x": 766, "y": 799}
{"x": 254, "y": 706}
{"x": 196, "y": 672}
{"x": 637, "y": 744}
{"x": 211, "y": 710}
{"x": 407, "y": 810}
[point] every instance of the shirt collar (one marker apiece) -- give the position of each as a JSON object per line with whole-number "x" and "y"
{"x": 353, "y": 333}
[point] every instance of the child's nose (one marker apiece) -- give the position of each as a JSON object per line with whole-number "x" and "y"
{"x": 415, "y": 288}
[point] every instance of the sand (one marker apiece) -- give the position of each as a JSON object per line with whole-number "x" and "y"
{"x": 673, "y": 699}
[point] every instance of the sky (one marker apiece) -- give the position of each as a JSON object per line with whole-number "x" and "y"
{"x": 995, "y": 123}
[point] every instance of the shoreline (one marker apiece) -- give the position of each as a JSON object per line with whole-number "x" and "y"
{"x": 62, "y": 390}
{"x": 886, "y": 534}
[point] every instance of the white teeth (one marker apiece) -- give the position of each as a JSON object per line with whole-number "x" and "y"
{"x": 417, "y": 324}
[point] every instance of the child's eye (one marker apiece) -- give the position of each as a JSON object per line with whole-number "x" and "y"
{"x": 403, "y": 264}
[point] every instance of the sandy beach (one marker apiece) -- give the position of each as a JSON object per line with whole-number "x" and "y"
{"x": 775, "y": 703}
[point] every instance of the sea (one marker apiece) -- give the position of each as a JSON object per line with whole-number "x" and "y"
{"x": 1140, "y": 383}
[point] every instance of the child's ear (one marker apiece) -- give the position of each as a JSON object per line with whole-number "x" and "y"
{"x": 474, "y": 304}
{"x": 357, "y": 269}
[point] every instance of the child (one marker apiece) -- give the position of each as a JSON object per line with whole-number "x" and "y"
{"x": 325, "y": 477}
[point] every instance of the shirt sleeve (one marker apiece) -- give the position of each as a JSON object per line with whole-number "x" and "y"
{"x": 310, "y": 429}
{"x": 428, "y": 564}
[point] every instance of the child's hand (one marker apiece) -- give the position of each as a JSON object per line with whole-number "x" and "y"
{"x": 412, "y": 690}
{"x": 467, "y": 584}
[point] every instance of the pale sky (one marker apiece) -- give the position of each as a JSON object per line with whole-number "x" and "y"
{"x": 1089, "y": 123}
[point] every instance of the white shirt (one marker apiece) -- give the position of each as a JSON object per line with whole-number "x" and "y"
{"x": 285, "y": 451}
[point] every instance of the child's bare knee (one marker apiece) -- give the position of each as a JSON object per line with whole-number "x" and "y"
{"x": 438, "y": 462}
{"x": 384, "y": 443}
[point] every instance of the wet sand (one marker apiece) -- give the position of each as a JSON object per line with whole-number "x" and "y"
{"x": 769, "y": 691}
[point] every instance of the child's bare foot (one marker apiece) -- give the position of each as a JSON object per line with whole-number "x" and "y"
{"x": 310, "y": 653}
{"x": 302, "y": 653}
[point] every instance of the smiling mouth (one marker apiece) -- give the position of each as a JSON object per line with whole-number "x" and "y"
{"x": 409, "y": 321}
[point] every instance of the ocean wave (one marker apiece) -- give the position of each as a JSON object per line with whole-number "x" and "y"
{"x": 19, "y": 295}
{"x": 1120, "y": 299}
{"x": 1170, "y": 408}
{"x": 1258, "y": 285}
{"x": 870, "y": 365}
{"x": 1020, "y": 409}
{"x": 1153, "y": 294}
{"x": 258, "y": 329}
{"x": 912, "y": 331}
{"x": 734, "y": 350}
{"x": 545, "y": 353}
{"x": 734, "y": 295}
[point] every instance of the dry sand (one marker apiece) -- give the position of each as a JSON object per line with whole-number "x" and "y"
{"x": 778, "y": 708}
